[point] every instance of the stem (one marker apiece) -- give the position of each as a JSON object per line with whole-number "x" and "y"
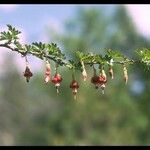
{"x": 82, "y": 64}
{"x": 62, "y": 62}
{"x": 26, "y": 60}
{"x": 38, "y": 55}
{"x": 56, "y": 68}
{"x": 94, "y": 70}
{"x": 73, "y": 74}
{"x": 101, "y": 67}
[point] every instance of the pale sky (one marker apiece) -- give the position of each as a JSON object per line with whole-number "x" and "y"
{"x": 140, "y": 14}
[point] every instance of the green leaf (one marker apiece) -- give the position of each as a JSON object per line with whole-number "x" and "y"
{"x": 114, "y": 54}
{"x": 52, "y": 49}
{"x": 79, "y": 54}
{"x": 144, "y": 55}
{"x": 18, "y": 45}
{"x": 39, "y": 46}
{"x": 9, "y": 27}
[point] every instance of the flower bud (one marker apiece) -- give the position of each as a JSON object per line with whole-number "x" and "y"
{"x": 125, "y": 74}
{"x": 84, "y": 74}
{"x": 111, "y": 72}
{"x": 47, "y": 72}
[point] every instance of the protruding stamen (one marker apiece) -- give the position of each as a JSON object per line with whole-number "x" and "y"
{"x": 57, "y": 89}
{"x": 75, "y": 96}
{"x": 103, "y": 88}
{"x": 103, "y": 92}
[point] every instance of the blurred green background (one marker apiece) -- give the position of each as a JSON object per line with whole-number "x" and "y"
{"x": 33, "y": 114}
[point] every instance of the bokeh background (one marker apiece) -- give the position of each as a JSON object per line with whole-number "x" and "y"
{"x": 33, "y": 114}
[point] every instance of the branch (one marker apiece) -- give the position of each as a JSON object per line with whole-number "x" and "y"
{"x": 10, "y": 40}
{"x": 52, "y": 52}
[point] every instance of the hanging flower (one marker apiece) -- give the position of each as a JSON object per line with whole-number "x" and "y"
{"x": 125, "y": 74}
{"x": 95, "y": 79}
{"x": 102, "y": 80}
{"x": 28, "y": 74}
{"x": 47, "y": 72}
{"x": 84, "y": 74}
{"x": 111, "y": 73}
{"x": 57, "y": 79}
{"x": 74, "y": 86}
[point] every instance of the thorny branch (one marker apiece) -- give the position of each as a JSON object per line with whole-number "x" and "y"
{"x": 52, "y": 52}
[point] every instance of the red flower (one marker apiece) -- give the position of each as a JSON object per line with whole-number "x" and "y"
{"x": 74, "y": 86}
{"x": 102, "y": 79}
{"x": 102, "y": 82}
{"x": 57, "y": 80}
{"x": 28, "y": 74}
{"x": 99, "y": 81}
